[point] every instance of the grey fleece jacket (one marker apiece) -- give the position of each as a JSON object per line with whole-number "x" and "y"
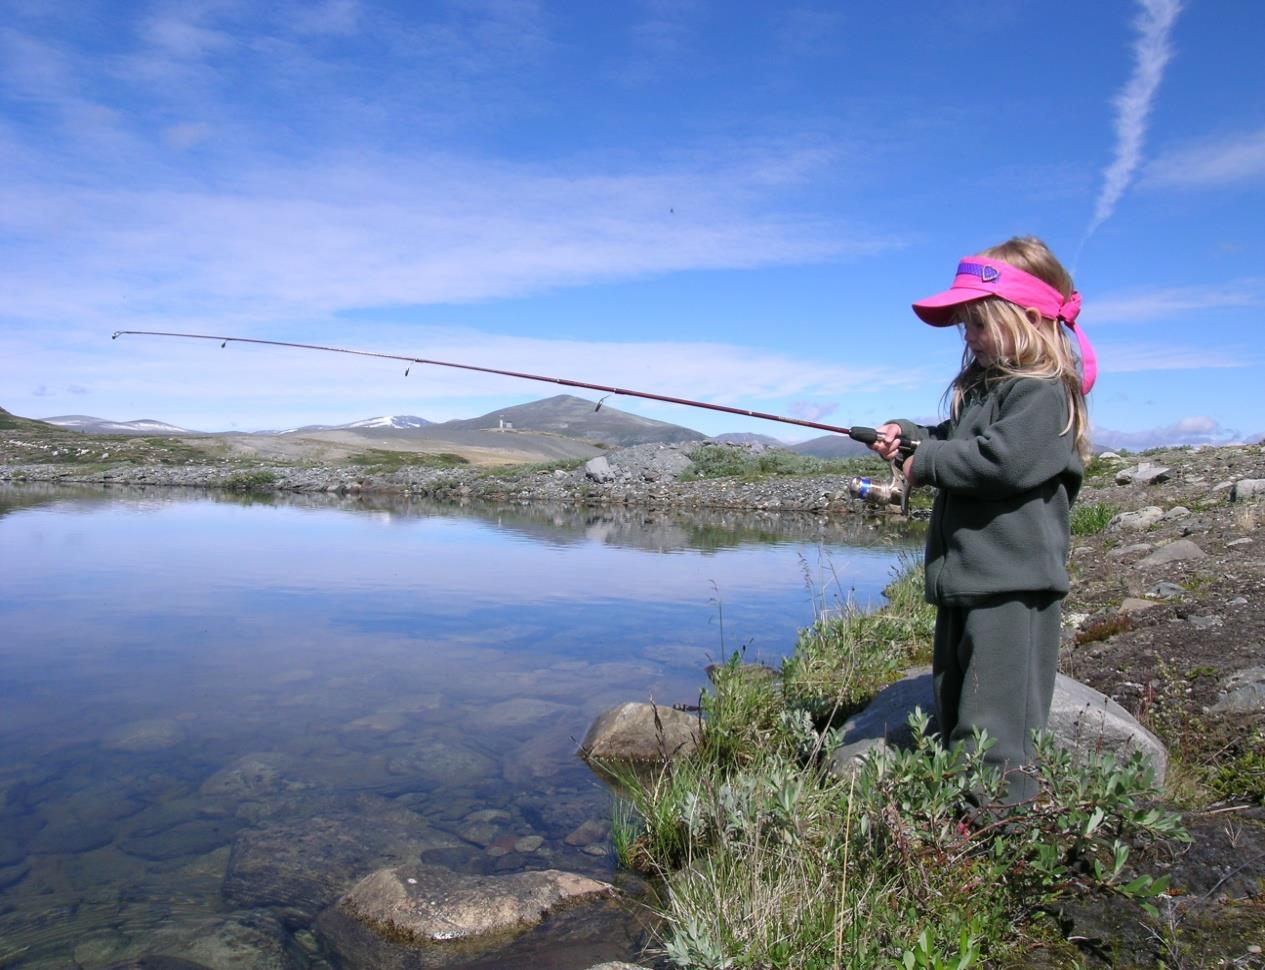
{"x": 1007, "y": 478}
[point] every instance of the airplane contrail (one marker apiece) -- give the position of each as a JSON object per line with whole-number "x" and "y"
{"x": 1152, "y": 51}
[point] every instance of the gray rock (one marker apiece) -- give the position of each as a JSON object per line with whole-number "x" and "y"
{"x": 1129, "y": 552}
{"x": 1085, "y": 720}
{"x": 1165, "y": 590}
{"x": 1143, "y": 473}
{"x": 599, "y": 470}
{"x": 884, "y": 719}
{"x": 1179, "y": 550}
{"x": 1138, "y": 520}
{"x": 628, "y": 733}
{"x": 1242, "y": 693}
{"x": 1133, "y": 604}
{"x": 1080, "y": 718}
{"x": 420, "y": 904}
{"x": 1246, "y": 488}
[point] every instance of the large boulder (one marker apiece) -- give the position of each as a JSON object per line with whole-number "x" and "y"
{"x": 1081, "y": 719}
{"x": 639, "y": 734}
{"x": 599, "y": 470}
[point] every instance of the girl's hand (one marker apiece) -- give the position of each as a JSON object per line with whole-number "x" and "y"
{"x": 887, "y": 444}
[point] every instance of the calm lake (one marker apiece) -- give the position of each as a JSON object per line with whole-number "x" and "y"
{"x": 215, "y": 711}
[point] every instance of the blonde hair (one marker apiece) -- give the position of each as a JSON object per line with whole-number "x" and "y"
{"x": 1024, "y": 349}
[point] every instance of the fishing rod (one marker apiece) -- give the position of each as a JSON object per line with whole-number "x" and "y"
{"x": 864, "y": 435}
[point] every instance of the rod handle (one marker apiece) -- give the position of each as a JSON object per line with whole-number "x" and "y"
{"x": 867, "y": 436}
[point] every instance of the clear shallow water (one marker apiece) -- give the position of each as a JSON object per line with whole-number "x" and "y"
{"x": 216, "y": 711}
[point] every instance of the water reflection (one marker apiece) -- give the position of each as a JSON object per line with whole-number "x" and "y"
{"x": 219, "y": 711}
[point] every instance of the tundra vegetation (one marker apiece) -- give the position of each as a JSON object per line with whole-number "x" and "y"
{"x": 762, "y": 857}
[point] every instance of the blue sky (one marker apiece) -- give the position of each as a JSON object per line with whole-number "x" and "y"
{"x": 733, "y": 202}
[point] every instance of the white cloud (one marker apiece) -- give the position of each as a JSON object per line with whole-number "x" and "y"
{"x": 1151, "y": 52}
{"x": 1225, "y": 161}
{"x": 1197, "y": 430}
{"x": 1168, "y": 302}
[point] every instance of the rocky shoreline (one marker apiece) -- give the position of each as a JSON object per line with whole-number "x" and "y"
{"x": 644, "y": 475}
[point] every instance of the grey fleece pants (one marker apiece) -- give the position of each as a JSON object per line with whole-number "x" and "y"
{"x": 993, "y": 669}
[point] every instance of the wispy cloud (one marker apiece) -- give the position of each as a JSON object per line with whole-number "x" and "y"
{"x": 1135, "y": 358}
{"x": 198, "y": 384}
{"x": 1220, "y": 162}
{"x": 1173, "y": 301}
{"x": 389, "y": 232}
{"x": 1152, "y": 51}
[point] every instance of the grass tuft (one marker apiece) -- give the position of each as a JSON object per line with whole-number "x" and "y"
{"x": 1089, "y": 520}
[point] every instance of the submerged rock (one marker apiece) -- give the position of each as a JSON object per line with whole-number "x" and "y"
{"x": 421, "y": 904}
{"x": 420, "y": 916}
{"x": 155, "y": 734}
{"x": 236, "y": 941}
{"x": 304, "y": 864}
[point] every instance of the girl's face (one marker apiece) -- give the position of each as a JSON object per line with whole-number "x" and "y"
{"x": 978, "y": 338}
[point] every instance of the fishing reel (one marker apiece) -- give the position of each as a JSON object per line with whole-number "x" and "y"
{"x": 894, "y": 492}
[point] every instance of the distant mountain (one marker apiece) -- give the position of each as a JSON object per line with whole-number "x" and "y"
{"x": 831, "y": 446}
{"x": 390, "y": 422}
{"x": 748, "y": 438}
{"x": 575, "y": 417}
{"x": 90, "y": 425}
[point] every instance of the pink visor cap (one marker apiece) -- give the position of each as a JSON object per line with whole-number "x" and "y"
{"x": 979, "y": 276}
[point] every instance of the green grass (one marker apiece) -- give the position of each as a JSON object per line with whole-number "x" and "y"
{"x": 1091, "y": 519}
{"x": 843, "y": 660}
{"x": 383, "y": 461}
{"x": 533, "y": 468}
{"x": 712, "y": 461}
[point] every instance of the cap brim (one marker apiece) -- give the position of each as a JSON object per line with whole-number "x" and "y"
{"x": 940, "y": 310}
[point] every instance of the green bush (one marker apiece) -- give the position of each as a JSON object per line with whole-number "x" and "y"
{"x": 249, "y": 481}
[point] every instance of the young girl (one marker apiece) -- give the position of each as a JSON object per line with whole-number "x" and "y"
{"x": 1007, "y": 465}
